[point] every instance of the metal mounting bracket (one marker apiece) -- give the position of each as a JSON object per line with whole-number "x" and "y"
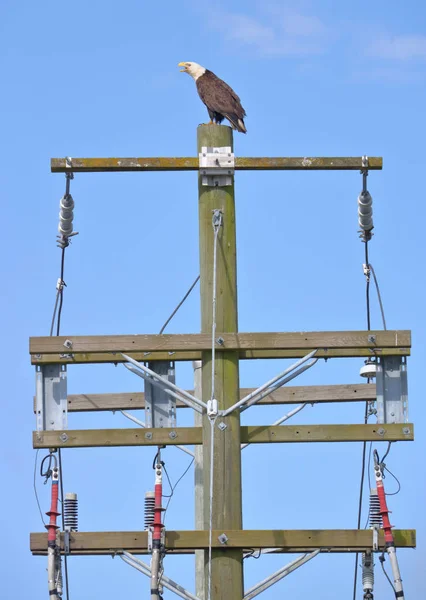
{"x": 217, "y": 166}
{"x": 160, "y": 407}
{"x": 162, "y": 540}
{"x": 392, "y": 389}
{"x": 51, "y": 397}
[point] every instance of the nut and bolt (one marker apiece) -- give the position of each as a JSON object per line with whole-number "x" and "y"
{"x": 173, "y": 435}
{"x": 63, "y": 437}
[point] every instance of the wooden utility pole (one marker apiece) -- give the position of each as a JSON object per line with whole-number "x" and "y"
{"x": 221, "y": 530}
{"x": 227, "y": 566}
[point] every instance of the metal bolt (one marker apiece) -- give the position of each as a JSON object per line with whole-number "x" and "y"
{"x": 37, "y": 356}
{"x": 223, "y": 538}
{"x": 222, "y": 426}
{"x": 371, "y": 339}
{"x": 68, "y": 344}
{"x": 406, "y": 430}
{"x": 63, "y": 437}
{"x": 172, "y": 435}
{"x": 220, "y": 341}
{"x": 148, "y": 435}
{"x": 381, "y": 431}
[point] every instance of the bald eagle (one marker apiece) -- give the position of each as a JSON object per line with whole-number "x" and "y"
{"x": 221, "y": 100}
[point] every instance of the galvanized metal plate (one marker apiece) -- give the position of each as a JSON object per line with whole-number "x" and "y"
{"x": 392, "y": 390}
{"x": 51, "y": 397}
{"x": 160, "y": 407}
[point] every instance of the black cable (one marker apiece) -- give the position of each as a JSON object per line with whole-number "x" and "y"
{"x": 376, "y": 283}
{"x": 154, "y": 462}
{"x": 386, "y": 453}
{"x": 61, "y": 292}
{"x": 170, "y": 483}
{"x": 61, "y": 481}
{"x": 364, "y": 444}
{"x": 35, "y": 488}
{"x": 252, "y": 555}
{"x": 52, "y": 325}
{"x": 397, "y": 481}
{"x": 179, "y": 305}
{"x": 361, "y": 490}
{"x": 48, "y": 471}
{"x": 382, "y": 562}
{"x": 367, "y": 288}
{"x": 175, "y": 486}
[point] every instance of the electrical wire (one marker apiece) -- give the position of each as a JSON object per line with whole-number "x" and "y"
{"x": 382, "y": 561}
{"x": 364, "y": 444}
{"x": 169, "y": 482}
{"x": 252, "y": 555}
{"x": 386, "y": 453}
{"x": 367, "y": 287}
{"x": 61, "y": 292}
{"x": 173, "y": 488}
{"x": 58, "y": 329}
{"x": 35, "y": 488}
{"x": 52, "y": 325}
{"x": 179, "y": 305}
{"x": 378, "y": 296}
{"x": 361, "y": 490}
{"x": 397, "y": 481}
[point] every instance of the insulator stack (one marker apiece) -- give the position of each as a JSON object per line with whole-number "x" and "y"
{"x": 149, "y": 509}
{"x": 367, "y": 575}
{"x": 71, "y": 512}
{"x": 374, "y": 514}
{"x": 365, "y": 211}
{"x": 66, "y": 216}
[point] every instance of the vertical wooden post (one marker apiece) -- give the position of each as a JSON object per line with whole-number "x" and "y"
{"x": 227, "y": 566}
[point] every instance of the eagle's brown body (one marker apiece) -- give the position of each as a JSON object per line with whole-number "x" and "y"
{"x": 221, "y": 100}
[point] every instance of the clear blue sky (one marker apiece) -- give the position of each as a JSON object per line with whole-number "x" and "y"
{"x": 101, "y": 79}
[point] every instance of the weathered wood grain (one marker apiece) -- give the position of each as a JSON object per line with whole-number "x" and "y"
{"x": 191, "y": 163}
{"x": 285, "y": 395}
{"x": 257, "y": 434}
{"x": 288, "y": 541}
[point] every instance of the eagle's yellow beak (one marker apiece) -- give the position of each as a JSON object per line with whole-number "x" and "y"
{"x": 182, "y": 64}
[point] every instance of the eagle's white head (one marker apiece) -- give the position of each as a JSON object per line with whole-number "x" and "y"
{"x": 192, "y": 68}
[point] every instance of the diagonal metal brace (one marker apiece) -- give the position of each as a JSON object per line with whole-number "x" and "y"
{"x": 273, "y": 384}
{"x": 282, "y": 419}
{"x": 168, "y": 583}
{"x": 263, "y": 585}
{"x": 156, "y": 379}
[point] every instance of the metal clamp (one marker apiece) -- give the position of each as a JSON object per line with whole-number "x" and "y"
{"x": 66, "y": 542}
{"x": 375, "y": 539}
{"x": 217, "y": 166}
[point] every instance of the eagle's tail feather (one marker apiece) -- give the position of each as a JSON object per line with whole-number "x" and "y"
{"x": 236, "y": 123}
